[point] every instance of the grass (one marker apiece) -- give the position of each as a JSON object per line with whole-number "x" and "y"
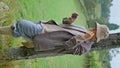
{"x": 95, "y": 61}
{"x": 67, "y": 61}
{"x": 45, "y": 10}
{"x": 98, "y": 11}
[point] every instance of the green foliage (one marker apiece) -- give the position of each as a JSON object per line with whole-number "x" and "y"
{"x": 99, "y": 59}
{"x": 90, "y": 4}
{"x": 105, "y": 57}
{"x": 93, "y": 8}
{"x": 102, "y": 20}
{"x": 106, "y": 4}
{"x": 93, "y": 60}
{"x": 99, "y": 10}
{"x": 112, "y": 26}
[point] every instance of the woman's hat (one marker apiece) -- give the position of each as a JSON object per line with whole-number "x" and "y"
{"x": 102, "y": 31}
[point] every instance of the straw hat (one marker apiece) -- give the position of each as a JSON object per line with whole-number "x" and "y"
{"x": 102, "y": 31}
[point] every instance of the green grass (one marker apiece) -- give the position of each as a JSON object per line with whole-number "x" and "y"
{"x": 50, "y": 9}
{"x": 98, "y": 11}
{"x": 67, "y": 61}
{"x": 95, "y": 61}
{"x": 63, "y": 62}
{"x": 36, "y": 10}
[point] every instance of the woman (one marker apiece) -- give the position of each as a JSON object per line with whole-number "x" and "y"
{"x": 52, "y": 37}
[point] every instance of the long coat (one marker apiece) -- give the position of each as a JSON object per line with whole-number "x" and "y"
{"x": 53, "y": 41}
{"x": 60, "y": 38}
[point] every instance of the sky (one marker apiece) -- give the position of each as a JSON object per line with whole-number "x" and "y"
{"x": 115, "y": 18}
{"x": 115, "y": 14}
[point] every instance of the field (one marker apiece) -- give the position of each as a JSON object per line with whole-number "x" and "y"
{"x": 36, "y": 10}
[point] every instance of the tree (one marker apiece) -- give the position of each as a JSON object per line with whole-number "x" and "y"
{"x": 112, "y": 26}
{"x": 24, "y": 53}
{"x": 106, "y": 4}
{"x": 89, "y": 4}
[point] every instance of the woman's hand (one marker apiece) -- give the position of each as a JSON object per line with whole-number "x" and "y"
{"x": 88, "y": 35}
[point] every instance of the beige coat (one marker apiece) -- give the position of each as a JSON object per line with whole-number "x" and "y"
{"x": 51, "y": 26}
{"x": 56, "y": 37}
